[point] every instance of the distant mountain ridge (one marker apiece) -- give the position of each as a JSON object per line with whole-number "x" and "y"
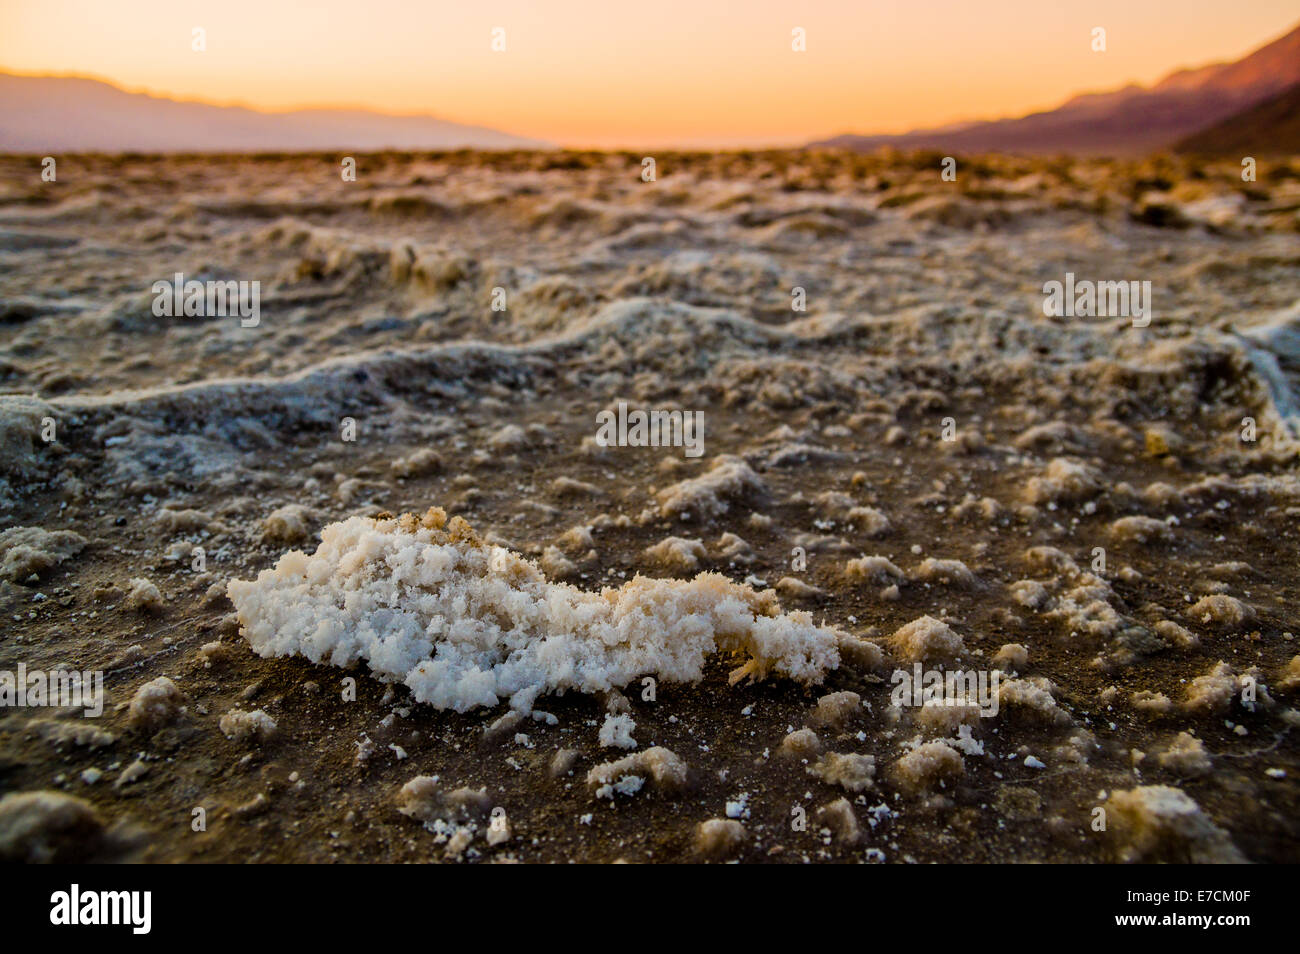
{"x": 1134, "y": 120}
{"x": 1270, "y": 128}
{"x": 49, "y": 114}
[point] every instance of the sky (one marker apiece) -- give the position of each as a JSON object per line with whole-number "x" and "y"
{"x": 623, "y": 74}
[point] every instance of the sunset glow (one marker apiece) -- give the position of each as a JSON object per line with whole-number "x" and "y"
{"x": 589, "y": 73}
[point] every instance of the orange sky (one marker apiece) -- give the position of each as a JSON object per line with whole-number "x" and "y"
{"x": 613, "y": 73}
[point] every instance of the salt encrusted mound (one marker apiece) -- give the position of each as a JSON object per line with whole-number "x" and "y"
{"x": 664, "y": 767}
{"x": 27, "y": 551}
{"x": 1290, "y": 676}
{"x": 838, "y": 816}
{"x": 795, "y": 589}
{"x": 870, "y": 521}
{"x": 676, "y": 553}
{"x": 926, "y": 639}
{"x": 45, "y": 827}
{"x": 1222, "y": 611}
{"x": 424, "y": 800}
{"x": 1064, "y": 481}
{"x": 873, "y": 569}
{"x": 735, "y": 549}
{"x": 185, "y": 520}
{"x": 943, "y": 717}
{"x": 730, "y": 480}
{"x": 801, "y": 743}
{"x": 418, "y": 463}
{"x": 1156, "y": 823}
{"x": 1215, "y": 690}
{"x": 719, "y": 837}
{"x": 556, "y": 565}
{"x": 945, "y": 572}
{"x": 861, "y": 652}
{"x": 144, "y": 595}
{"x": 20, "y": 425}
{"x": 1176, "y": 635}
{"x": 155, "y": 704}
{"x": 1050, "y": 560}
{"x": 836, "y": 709}
{"x": 287, "y": 524}
{"x": 616, "y": 732}
{"x": 1030, "y": 700}
{"x": 79, "y": 733}
{"x": 503, "y": 727}
{"x": 930, "y": 765}
{"x": 464, "y": 624}
{"x": 1151, "y": 704}
{"x": 853, "y": 771}
{"x": 563, "y": 762}
{"x": 1140, "y": 530}
{"x": 1030, "y": 594}
{"x": 241, "y": 726}
{"x": 1186, "y": 755}
{"x": 1012, "y": 657}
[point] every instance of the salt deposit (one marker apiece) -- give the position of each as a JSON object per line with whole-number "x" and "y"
{"x": 836, "y": 709}
{"x": 926, "y": 639}
{"x": 849, "y": 770}
{"x": 930, "y": 766}
{"x": 463, "y": 624}
{"x": 616, "y": 731}
{"x": 241, "y": 726}
{"x": 719, "y": 837}
{"x": 1156, "y": 823}
{"x": 802, "y": 743}
{"x": 839, "y": 817}
{"x": 664, "y": 768}
{"x": 29, "y": 551}
{"x": 43, "y": 827}
{"x": 155, "y": 704}
{"x": 144, "y": 595}
{"x": 726, "y": 483}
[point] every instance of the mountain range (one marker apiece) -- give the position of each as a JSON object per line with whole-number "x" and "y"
{"x": 1135, "y": 120}
{"x": 51, "y": 114}
{"x": 1268, "y": 128}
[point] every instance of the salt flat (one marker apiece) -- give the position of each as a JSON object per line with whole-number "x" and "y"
{"x": 898, "y": 440}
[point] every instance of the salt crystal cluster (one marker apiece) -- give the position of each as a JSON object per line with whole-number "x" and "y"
{"x": 462, "y": 623}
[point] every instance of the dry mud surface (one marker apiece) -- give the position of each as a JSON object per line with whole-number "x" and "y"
{"x": 922, "y": 410}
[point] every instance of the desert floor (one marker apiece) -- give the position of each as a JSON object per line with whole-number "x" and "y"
{"x": 1077, "y": 504}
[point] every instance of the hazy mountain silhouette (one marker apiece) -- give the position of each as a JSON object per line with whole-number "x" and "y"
{"x": 1270, "y": 128}
{"x": 47, "y": 114}
{"x": 1130, "y": 121}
